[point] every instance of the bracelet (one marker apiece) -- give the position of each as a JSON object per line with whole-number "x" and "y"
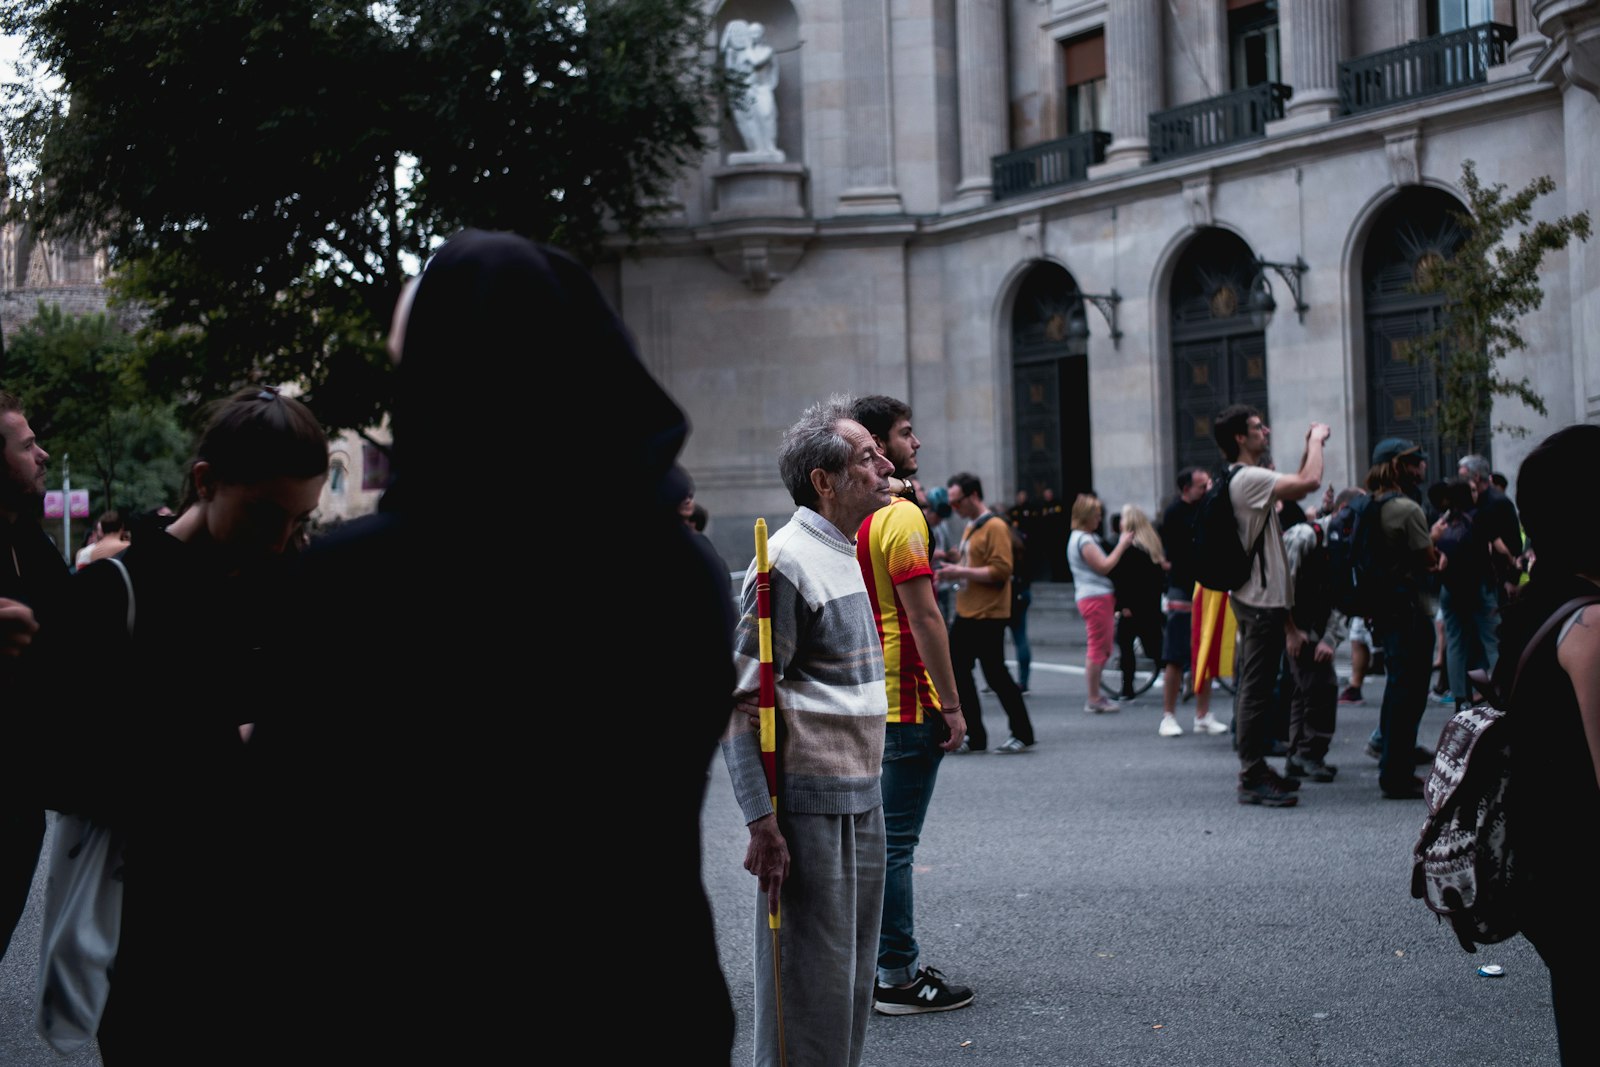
{"x": 949, "y": 710}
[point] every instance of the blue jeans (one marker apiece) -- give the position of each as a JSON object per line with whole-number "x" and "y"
{"x": 1471, "y": 618}
{"x": 1408, "y": 664}
{"x": 1019, "y": 635}
{"x": 911, "y": 756}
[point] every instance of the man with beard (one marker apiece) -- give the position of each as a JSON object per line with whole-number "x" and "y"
{"x": 925, "y": 719}
{"x": 1404, "y": 624}
{"x": 33, "y": 576}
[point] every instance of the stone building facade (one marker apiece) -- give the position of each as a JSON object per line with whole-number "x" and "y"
{"x": 1055, "y": 227}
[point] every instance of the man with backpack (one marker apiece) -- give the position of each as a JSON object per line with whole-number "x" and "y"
{"x": 1318, "y": 629}
{"x": 1261, "y": 601}
{"x": 1401, "y": 611}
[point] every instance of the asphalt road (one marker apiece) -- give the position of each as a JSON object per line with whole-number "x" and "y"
{"x": 1111, "y": 903}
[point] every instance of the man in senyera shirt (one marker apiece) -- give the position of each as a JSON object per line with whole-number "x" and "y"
{"x": 925, "y": 719}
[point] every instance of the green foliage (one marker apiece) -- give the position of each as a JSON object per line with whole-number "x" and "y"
{"x": 263, "y": 173}
{"x": 81, "y": 386}
{"x": 1488, "y": 284}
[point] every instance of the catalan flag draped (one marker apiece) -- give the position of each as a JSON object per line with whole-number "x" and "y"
{"x": 1211, "y": 635}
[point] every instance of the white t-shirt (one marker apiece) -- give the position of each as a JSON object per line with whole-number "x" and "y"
{"x": 1255, "y": 510}
{"x": 1086, "y": 582}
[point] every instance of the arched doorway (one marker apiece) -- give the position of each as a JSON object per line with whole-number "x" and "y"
{"x": 1417, "y": 229}
{"x": 1219, "y": 355}
{"x": 1050, "y": 398}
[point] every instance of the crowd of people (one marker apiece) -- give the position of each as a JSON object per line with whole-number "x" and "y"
{"x": 287, "y": 848}
{"x": 315, "y": 759}
{"x": 825, "y": 820}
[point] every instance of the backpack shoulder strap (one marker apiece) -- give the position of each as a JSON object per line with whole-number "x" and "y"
{"x": 127, "y": 581}
{"x": 1556, "y": 619}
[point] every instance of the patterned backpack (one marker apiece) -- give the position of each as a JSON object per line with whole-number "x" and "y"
{"x": 1464, "y": 861}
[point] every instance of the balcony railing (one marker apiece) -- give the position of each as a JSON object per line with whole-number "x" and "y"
{"x": 1221, "y": 120}
{"x": 1422, "y": 68}
{"x": 1047, "y": 165}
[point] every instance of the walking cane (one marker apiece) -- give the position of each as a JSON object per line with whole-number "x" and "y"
{"x": 769, "y": 748}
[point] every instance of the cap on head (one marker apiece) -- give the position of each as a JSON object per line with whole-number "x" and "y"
{"x": 1394, "y": 447}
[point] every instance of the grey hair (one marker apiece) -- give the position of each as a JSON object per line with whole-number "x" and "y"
{"x": 1478, "y": 468}
{"x": 815, "y": 443}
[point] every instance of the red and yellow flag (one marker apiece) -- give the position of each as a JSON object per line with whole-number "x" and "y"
{"x": 1211, "y": 635}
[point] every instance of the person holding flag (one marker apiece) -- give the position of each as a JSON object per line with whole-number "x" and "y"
{"x": 817, "y": 838}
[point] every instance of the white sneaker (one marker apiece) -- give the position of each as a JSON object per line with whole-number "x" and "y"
{"x": 1209, "y": 725}
{"x": 1169, "y": 727}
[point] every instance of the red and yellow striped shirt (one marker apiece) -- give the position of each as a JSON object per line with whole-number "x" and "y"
{"x": 892, "y": 548}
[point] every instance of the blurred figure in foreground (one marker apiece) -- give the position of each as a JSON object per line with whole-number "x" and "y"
{"x": 414, "y": 810}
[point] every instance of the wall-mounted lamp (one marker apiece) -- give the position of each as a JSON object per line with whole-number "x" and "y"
{"x": 1262, "y": 305}
{"x": 1078, "y": 328}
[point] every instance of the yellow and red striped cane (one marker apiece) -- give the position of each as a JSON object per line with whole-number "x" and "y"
{"x": 769, "y": 745}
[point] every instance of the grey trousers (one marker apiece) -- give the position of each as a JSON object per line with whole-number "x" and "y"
{"x": 831, "y": 910}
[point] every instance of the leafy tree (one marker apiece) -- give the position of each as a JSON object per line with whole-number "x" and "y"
{"x": 263, "y": 171}
{"x": 80, "y": 384}
{"x": 1488, "y": 283}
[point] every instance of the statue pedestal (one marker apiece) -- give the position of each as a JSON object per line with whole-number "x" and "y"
{"x": 758, "y": 191}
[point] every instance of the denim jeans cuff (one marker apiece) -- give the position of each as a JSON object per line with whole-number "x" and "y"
{"x": 899, "y": 975}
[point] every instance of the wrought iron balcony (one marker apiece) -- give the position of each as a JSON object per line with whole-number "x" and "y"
{"x": 1047, "y": 165}
{"x": 1221, "y": 120}
{"x": 1422, "y": 68}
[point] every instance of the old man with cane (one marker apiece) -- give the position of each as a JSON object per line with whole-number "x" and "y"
{"x": 819, "y": 857}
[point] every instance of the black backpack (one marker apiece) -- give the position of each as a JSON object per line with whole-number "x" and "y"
{"x": 1464, "y": 861}
{"x": 1220, "y": 558}
{"x": 1363, "y": 577}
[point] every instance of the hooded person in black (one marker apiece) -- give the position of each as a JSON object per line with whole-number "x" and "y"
{"x": 452, "y": 806}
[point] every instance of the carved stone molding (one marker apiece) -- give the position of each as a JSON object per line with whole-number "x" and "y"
{"x": 1030, "y": 230}
{"x": 759, "y": 191}
{"x": 1404, "y": 152}
{"x": 759, "y": 254}
{"x": 1573, "y": 27}
{"x": 1198, "y": 195}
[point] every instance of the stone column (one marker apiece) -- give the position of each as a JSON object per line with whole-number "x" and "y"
{"x": 1530, "y": 42}
{"x": 981, "y": 85}
{"x": 1572, "y": 64}
{"x": 1134, "y": 81}
{"x": 1313, "y": 35}
{"x": 869, "y": 138}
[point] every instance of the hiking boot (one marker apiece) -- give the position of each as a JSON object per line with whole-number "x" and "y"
{"x": 1011, "y": 745}
{"x": 1309, "y": 767}
{"x": 1290, "y": 784}
{"x": 1266, "y": 791}
{"x": 1351, "y": 696}
{"x": 1169, "y": 727}
{"x": 1209, "y": 724}
{"x": 930, "y": 992}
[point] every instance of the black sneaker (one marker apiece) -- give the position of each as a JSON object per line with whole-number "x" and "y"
{"x": 1268, "y": 791}
{"x": 930, "y": 992}
{"x": 1311, "y": 768}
